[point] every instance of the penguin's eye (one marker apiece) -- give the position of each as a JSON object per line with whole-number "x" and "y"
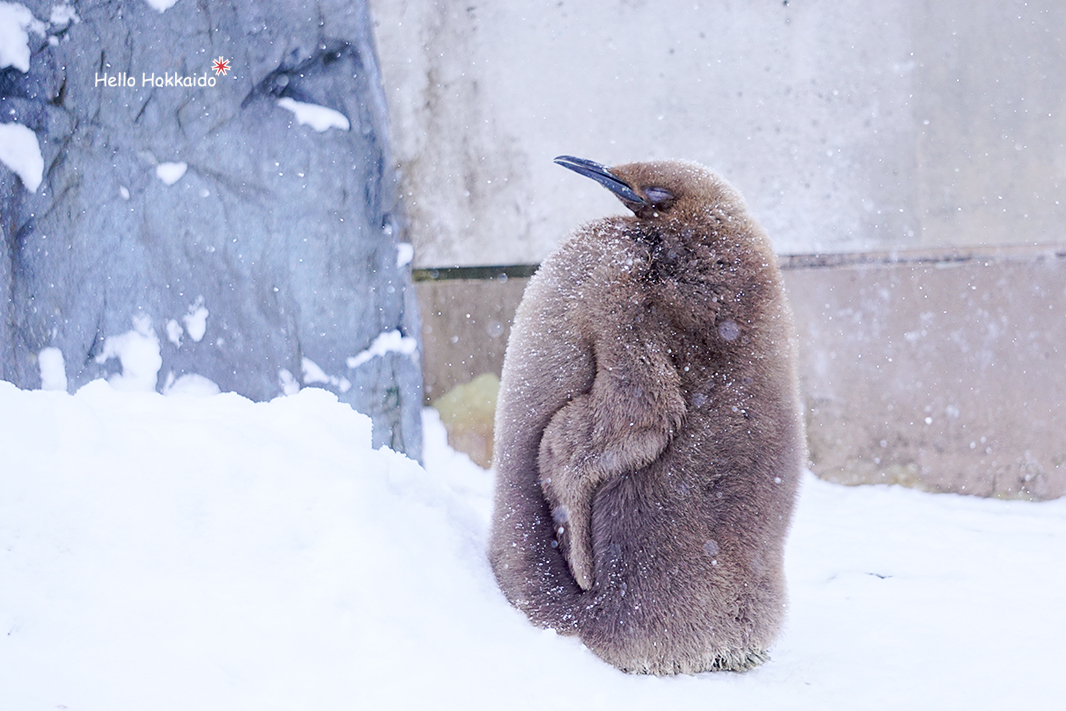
{"x": 658, "y": 195}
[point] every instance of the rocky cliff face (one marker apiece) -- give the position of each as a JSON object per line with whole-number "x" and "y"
{"x": 194, "y": 227}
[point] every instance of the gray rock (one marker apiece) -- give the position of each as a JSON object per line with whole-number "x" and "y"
{"x": 286, "y": 236}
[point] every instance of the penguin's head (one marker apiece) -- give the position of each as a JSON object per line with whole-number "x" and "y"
{"x": 650, "y": 189}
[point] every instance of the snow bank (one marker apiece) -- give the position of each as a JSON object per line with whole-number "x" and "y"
{"x": 214, "y": 553}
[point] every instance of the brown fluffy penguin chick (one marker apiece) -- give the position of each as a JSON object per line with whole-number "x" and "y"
{"x": 649, "y": 438}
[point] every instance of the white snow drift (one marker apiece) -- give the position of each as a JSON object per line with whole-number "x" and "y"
{"x": 217, "y": 554}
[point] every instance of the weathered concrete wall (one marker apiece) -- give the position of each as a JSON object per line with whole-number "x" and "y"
{"x": 466, "y": 325}
{"x": 943, "y": 370}
{"x": 847, "y": 125}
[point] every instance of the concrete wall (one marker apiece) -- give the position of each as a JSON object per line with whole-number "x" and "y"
{"x": 861, "y": 130}
{"x": 465, "y": 327}
{"x": 942, "y": 370}
{"x": 848, "y": 125}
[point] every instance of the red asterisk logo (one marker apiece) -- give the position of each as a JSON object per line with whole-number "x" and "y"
{"x": 220, "y": 65}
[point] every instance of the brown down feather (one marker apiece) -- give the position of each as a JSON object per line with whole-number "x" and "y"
{"x": 649, "y": 438}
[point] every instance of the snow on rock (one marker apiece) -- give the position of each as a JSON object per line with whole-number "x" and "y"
{"x": 314, "y": 374}
{"x": 179, "y": 553}
{"x": 53, "y": 369}
{"x": 16, "y": 21}
{"x": 170, "y": 173}
{"x": 190, "y": 384}
{"x": 161, "y": 5}
{"x": 287, "y": 382}
{"x": 405, "y": 252}
{"x": 195, "y": 324}
{"x": 174, "y": 332}
{"x": 21, "y": 152}
{"x": 254, "y": 202}
{"x": 317, "y": 117}
{"x": 63, "y": 15}
{"x": 196, "y": 320}
{"x": 387, "y": 342}
{"x": 138, "y": 352}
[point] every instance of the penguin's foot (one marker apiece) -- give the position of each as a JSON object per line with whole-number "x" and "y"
{"x": 738, "y": 661}
{"x": 571, "y": 518}
{"x": 741, "y": 662}
{"x": 568, "y": 479}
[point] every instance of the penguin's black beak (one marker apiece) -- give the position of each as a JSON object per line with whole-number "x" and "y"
{"x": 604, "y": 177}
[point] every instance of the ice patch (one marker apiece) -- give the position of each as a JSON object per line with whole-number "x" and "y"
{"x": 20, "y": 151}
{"x": 161, "y": 5}
{"x": 15, "y": 22}
{"x": 63, "y": 15}
{"x": 170, "y": 173}
{"x": 405, "y": 252}
{"x": 314, "y": 374}
{"x": 138, "y": 351}
{"x": 191, "y": 385}
{"x": 317, "y": 117}
{"x": 53, "y": 369}
{"x": 196, "y": 320}
{"x": 387, "y": 342}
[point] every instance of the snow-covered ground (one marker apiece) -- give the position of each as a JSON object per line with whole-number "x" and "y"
{"x": 212, "y": 553}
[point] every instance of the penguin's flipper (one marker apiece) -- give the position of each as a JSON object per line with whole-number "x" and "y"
{"x": 636, "y": 402}
{"x": 622, "y": 424}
